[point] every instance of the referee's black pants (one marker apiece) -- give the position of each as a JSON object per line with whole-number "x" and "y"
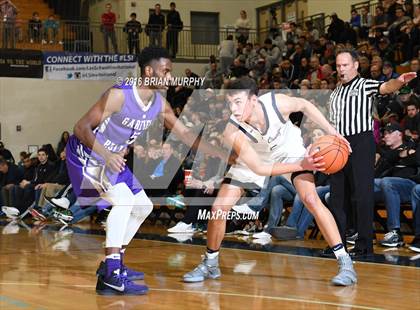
{"x": 352, "y": 187}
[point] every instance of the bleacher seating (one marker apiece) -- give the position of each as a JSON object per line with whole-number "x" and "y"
{"x": 26, "y": 9}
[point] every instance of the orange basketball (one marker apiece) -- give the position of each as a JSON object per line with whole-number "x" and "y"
{"x": 334, "y": 150}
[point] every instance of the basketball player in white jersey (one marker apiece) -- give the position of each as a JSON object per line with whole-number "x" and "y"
{"x": 267, "y": 143}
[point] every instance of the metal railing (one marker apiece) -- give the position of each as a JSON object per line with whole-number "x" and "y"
{"x": 318, "y": 21}
{"x": 84, "y": 36}
{"x": 25, "y": 35}
{"x": 370, "y": 4}
{"x": 197, "y": 43}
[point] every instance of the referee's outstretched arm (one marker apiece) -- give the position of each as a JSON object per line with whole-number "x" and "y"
{"x": 395, "y": 84}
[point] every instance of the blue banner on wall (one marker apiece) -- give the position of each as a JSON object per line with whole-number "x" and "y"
{"x": 87, "y": 66}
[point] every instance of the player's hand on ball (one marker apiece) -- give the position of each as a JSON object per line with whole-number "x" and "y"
{"x": 407, "y": 77}
{"x": 116, "y": 162}
{"x": 342, "y": 139}
{"x": 312, "y": 163}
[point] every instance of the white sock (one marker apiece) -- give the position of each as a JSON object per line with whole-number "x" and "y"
{"x": 212, "y": 255}
{"x": 339, "y": 251}
{"x": 113, "y": 256}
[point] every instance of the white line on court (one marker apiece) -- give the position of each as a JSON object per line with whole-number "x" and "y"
{"x": 277, "y": 298}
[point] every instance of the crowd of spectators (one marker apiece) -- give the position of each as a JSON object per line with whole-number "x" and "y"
{"x": 296, "y": 59}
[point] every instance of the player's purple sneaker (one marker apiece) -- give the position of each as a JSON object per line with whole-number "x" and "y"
{"x": 127, "y": 272}
{"x": 118, "y": 284}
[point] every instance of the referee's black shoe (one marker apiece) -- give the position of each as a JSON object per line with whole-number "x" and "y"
{"x": 358, "y": 253}
{"x": 327, "y": 252}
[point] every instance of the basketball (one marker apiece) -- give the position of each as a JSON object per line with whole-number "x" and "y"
{"x": 334, "y": 151}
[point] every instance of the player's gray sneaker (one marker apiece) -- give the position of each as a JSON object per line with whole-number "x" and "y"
{"x": 346, "y": 275}
{"x": 207, "y": 269}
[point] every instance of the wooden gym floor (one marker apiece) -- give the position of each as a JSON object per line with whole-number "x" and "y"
{"x": 45, "y": 268}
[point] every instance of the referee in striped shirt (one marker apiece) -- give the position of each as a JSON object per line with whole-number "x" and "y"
{"x": 351, "y": 114}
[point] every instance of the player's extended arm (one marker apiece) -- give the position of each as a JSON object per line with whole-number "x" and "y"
{"x": 288, "y": 105}
{"x": 187, "y": 136}
{"x": 239, "y": 142}
{"x": 110, "y": 102}
{"x": 395, "y": 84}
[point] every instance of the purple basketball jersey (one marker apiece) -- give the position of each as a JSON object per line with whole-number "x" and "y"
{"x": 87, "y": 170}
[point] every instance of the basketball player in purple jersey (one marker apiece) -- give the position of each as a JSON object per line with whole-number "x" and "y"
{"x": 97, "y": 168}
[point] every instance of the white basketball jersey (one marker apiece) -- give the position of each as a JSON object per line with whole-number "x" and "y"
{"x": 281, "y": 142}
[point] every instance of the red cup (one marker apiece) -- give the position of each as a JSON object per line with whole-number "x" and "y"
{"x": 187, "y": 176}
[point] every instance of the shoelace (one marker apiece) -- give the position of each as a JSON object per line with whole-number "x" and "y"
{"x": 124, "y": 270}
{"x": 122, "y": 279}
{"x": 389, "y": 235}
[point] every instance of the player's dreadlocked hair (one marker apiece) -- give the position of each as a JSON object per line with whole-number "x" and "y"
{"x": 148, "y": 54}
{"x": 242, "y": 84}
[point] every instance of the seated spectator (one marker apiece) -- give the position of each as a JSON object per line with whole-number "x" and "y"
{"x": 397, "y": 183}
{"x": 388, "y": 71}
{"x": 300, "y": 218}
{"x": 366, "y": 22}
{"x": 258, "y": 71}
{"x": 238, "y": 69}
{"x": 380, "y": 21}
{"x": 297, "y": 56}
{"x": 409, "y": 39}
{"x": 271, "y": 53}
{"x": 28, "y": 168}
{"x": 376, "y": 73}
{"x": 167, "y": 174}
{"x": 251, "y": 56}
{"x": 207, "y": 67}
{"x": 65, "y": 208}
{"x": 27, "y": 190}
{"x": 6, "y": 154}
{"x": 287, "y": 71}
{"x": 199, "y": 187}
{"x": 213, "y": 78}
{"x": 35, "y": 28}
{"x": 22, "y": 156}
{"x": 51, "y": 26}
{"x": 416, "y": 15}
{"x": 10, "y": 175}
{"x": 411, "y": 122}
{"x": 293, "y": 33}
{"x": 415, "y": 204}
{"x": 52, "y": 156}
{"x": 56, "y": 183}
{"x": 364, "y": 67}
{"x": 303, "y": 69}
{"x": 415, "y": 67}
{"x": 395, "y": 28}
{"x": 385, "y": 50}
{"x": 315, "y": 71}
{"x": 306, "y": 46}
{"x": 313, "y": 32}
{"x": 273, "y": 195}
{"x": 355, "y": 20}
